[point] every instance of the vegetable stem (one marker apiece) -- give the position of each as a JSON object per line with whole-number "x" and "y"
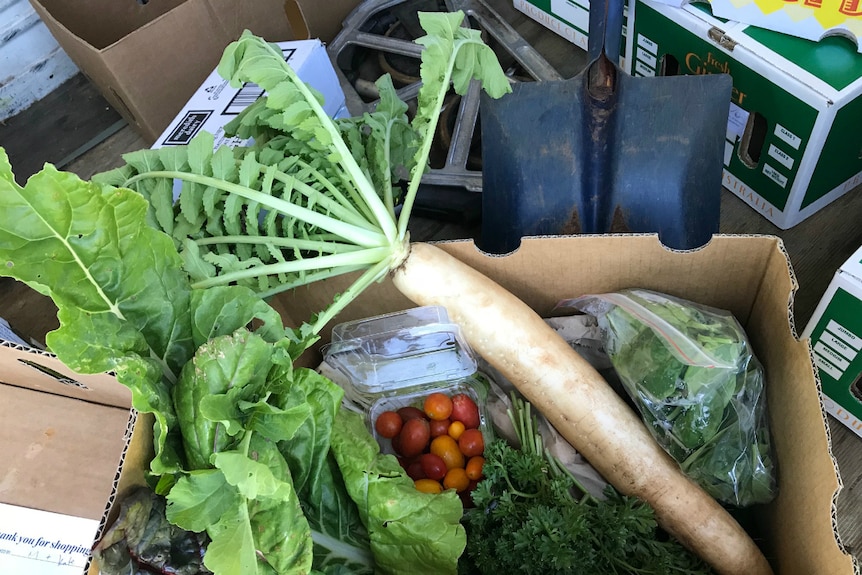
{"x": 360, "y": 236}
{"x": 365, "y": 256}
{"x": 345, "y": 157}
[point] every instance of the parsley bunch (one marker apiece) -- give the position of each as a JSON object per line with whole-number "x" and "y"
{"x": 532, "y": 516}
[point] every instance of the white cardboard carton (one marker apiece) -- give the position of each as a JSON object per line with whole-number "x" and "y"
{"x": 216, "y": 102}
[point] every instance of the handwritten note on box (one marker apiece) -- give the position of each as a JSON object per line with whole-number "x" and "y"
{"x": 44, "y": 543}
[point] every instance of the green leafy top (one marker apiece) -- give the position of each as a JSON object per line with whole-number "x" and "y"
{"x": 312, "y": 197}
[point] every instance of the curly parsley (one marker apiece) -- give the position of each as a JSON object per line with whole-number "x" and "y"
{"x": 532, "y": 516}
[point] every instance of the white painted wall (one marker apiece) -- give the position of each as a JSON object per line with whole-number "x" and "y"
{"x": 32, "y": 64}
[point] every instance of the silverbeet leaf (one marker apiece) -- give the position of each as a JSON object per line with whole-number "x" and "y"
{"x": 225, "y": 363}
{"x": 122, "y": 296}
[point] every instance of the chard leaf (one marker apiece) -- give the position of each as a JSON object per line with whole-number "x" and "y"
{"x": 273, "y": 423}
{"x": 222, "y": 310}
{"x": 281, "y": 532}
{"x": 340, "y": 538}
{"x": 199, "y": 500}
{"x": 253, "y": 480}
{"x": 122, "y": 298}
{"x": 411, "y": 532}
{"x": 240, "y": 362}
{"x": 231, "y": 550}
{"x": 75, "y": 241}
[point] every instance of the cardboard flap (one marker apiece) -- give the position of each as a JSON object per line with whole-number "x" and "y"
{"x": 101, "y": 23}
{"x": 307, "y": 20}
{"x": 60, "y": 454}
{"x": 36, "y": 370}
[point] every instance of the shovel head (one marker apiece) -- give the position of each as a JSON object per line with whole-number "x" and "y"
{"x": 646, "y": 159}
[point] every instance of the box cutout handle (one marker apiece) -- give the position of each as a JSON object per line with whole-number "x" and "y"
{"x": 753, "y": 139}
{"x": 669, "y": 66}
{"x": 856, "y": 388}
{"x": 56, "y": 375}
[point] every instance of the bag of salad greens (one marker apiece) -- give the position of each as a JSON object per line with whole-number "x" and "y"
{"x": 690, "y": 372}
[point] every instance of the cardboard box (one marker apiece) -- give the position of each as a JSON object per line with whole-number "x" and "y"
{"x": 307, "y": 20}
{"x": 793, "y": 136}
{"x": 835, "y": 330}
{"x": 215, "y": 102}
{"x": 797, "y": 528}
{"x": 62, "y": 439}
{"x": 147, "y": 58}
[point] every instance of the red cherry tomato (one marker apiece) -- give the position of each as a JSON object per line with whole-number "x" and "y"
{"x": 414, "y": 437}
{"x": 465, "y": 410}
{"x": 388, "y": 424}
{"x": 410, "y": 412}
{"x": 415, "y": 471}
{"x": 433, "y": 466}
{"x": 471, "y": 443}
{"x": 439, "y": 428}
{"x": 437, "y": 406}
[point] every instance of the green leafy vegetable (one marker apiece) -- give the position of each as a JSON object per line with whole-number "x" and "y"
{"x": 532, "y": 516}
{"x": 691, "y": 373}
{"x": 142, "y": 541}
{"x": 168, "y": 295}
{"x": 411, "y": 532}
{"x": 311, "y": 198}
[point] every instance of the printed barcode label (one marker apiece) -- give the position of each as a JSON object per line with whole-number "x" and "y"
{"x": 247, "y": 95}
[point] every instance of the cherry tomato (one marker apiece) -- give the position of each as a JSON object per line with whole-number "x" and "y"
{"x": 437, "y": 406}
{"x": 440, "y": 427}
{"x": 414, "y": 437}
{"x": 428, "y": 486}
{"x": 456, "y": 428}
{"x": 415, "y": 470}
{"x": 447, "y": 449}
{"x": 456, "y": 479}
{"x": 474, "y": 467}
{"x": 433, "y": 466}
{"x": 471, "y": 442}
{"x": 465, "y": 410}
{"x": 388, "y": 424}
{"x": 410, "y": 412}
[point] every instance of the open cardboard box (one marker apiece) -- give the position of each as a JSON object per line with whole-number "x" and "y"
{"x": 148, "y": 58}
{"x": 748, "y": 275}
{"x": 61, "y": 441}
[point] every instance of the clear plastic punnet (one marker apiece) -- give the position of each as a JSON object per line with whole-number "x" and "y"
{"x": 400, "y": 353}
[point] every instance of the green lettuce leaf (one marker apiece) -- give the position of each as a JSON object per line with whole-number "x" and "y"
{"x": 235, "y": 364}
{"x": 339, "y": 535}
{"x": 411, "y": 532}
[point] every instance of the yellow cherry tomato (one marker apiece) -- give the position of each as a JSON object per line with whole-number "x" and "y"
{"x": 456, "y": 479}
{"x": 474, "y": 467}
{"x": 428, "y": 486}
{"x": 447, "y": 449}
{"x": 456, "y": 428}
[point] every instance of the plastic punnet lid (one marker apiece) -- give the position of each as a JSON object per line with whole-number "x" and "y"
{"x": 386, "y": 354}
{"x": 415, "y": 317}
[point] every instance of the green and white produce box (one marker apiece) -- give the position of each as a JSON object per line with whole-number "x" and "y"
{"x": 835, "y": 331}
{"x": 568, "y": 18}
{"x": 793, "y": 137}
